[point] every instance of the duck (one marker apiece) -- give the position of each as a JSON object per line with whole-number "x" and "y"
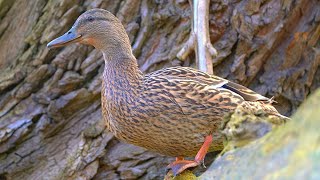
{"x": 176, "y": 111}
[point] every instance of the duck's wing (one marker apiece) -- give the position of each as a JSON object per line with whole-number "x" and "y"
{"x": 246, "y": 93}
{"x": 186, "y": 74}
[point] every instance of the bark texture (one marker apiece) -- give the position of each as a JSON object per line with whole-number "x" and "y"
{"x": 50, "y": 121}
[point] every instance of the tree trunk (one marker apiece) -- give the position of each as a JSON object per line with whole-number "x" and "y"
{"x": 50, "y": 118}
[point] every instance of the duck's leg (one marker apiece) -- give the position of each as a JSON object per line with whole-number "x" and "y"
{"x": 180, "y": 164}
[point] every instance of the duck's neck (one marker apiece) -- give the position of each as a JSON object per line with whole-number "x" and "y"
{"x": 121, "y": 77}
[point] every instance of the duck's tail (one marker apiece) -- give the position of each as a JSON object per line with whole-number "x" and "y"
{"x": 264, "y": 109}
{"x": 250, "y": 121}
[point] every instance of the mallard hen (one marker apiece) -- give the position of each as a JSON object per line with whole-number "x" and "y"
{"x": 175, "y": 111}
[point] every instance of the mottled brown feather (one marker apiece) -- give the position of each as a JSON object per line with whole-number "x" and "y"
{"x": 173, "y": 110}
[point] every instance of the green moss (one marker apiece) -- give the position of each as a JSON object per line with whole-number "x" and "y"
{"x": 186, "y": 175}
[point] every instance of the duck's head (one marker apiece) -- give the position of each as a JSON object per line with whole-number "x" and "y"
{"x": 96, "y": 27}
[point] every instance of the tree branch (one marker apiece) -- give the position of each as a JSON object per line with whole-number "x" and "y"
{"x": 199, "y": 38}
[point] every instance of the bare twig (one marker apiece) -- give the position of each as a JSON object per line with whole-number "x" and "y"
{"x": 199, "y": 38}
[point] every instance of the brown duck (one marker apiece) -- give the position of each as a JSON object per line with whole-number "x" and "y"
{"x": 175, "y": 111}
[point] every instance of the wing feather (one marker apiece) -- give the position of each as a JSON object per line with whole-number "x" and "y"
{"x": 185, "y": 74}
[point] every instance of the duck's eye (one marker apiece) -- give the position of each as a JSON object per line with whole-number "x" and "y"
{"x": 90, "y": 19}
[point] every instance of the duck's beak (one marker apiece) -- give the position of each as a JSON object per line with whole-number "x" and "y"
{"x": 70, "y": 36}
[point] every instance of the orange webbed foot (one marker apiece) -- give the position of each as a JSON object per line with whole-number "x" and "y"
{"x": 180, "y": 164}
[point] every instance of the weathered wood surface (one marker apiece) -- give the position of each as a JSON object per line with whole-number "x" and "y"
{"x": 50, "y": 121}
{"x": 287, "y": 152}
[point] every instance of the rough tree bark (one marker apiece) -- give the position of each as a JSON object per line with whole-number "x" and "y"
{"x": 50, "y": 121}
